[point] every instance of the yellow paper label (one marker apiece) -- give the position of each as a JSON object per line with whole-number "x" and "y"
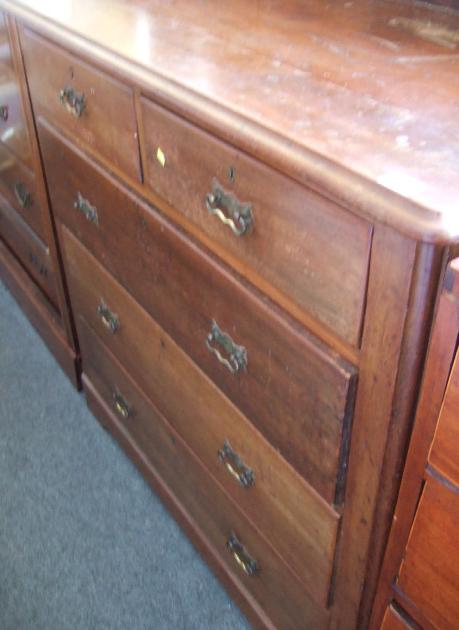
{"x": 160, "y": 156}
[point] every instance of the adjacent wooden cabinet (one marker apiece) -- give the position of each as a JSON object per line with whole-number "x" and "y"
{"x": 420, "y": 573}
{"x": 255, "y": 219}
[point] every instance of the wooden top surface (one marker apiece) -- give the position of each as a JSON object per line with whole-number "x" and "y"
{"x": 359, "y": 99}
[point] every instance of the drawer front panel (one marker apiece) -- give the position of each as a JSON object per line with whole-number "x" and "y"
{"x": 445, "y": 447}
{"x": 294, "y": 390}
{"x": 313, "y": 253}
{"x": 297, "y": 521}
{"x": 272, "y": 586}
{"x": 17, "y": 184}
{"x": 85, "y": 103}
{"x": 430, "y": 571}
{"x": 13, "y": 128}
{"x": 32, "y": 253}
{"x": 394, "y": 621}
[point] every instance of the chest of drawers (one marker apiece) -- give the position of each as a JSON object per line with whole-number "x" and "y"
{"x": 252, "y": 268}
{"x": 29, "y": 256}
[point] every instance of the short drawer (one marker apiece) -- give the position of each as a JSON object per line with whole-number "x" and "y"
{"x": 445, "y": 446}
{"x": 17, "y": 184}
{"x": 429, "y": 575}
{"x": 300, "y": 525}
{"x": 253, "y": 564}
{"x": 84, "y": 102}
{"x": 28, "y": 248}
{"x": 313, "y": 253}
{"x": 13, "y": 128}
{"x": 290, "y": 385}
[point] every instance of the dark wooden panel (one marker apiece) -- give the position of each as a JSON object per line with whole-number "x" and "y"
{"x": 300, "y": 243}
{"x": 429, "y": 574}
{"x": 32, "y": 253}
{"x": 107, "y": 122}
{"x": 273, "y": 588}
{"x": 297, "y": 521}
{"x": 18, "y": 185}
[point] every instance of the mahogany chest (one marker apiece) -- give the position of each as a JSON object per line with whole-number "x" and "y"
{"x": 254, "y": 207}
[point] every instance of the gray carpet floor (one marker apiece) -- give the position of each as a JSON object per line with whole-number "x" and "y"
{"x": 84, "y": 543}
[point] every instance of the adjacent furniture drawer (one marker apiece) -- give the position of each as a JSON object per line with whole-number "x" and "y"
{"x": 297, "y": 392}
{"x": 86, "y": 103}
{"x": 394, "y": 621}
{"x": 300, "y": 525}
{"x": 314, "y": 253}
{"x": 5, "y": 49}
{"x": 429, "y": 574}
{"x": 30, "y": 250}
{"x": 245, "y": 552}
{"x": 13, "y": 128}
{"x": 17, "y": 184}
{"x": 444, "y": 451}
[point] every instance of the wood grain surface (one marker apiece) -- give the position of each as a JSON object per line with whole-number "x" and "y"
{"x": 360, "y": 99}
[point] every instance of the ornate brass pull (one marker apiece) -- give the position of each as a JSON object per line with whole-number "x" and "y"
{"x": 74, "y": 102}
{"x": 22, "y": 195}
{"x": 238, "y": 216}
{"x": 235, "y": 466}
{"x": 237, "y": 355}
{"x": 4, "y": 112}
{"x": 121, "y": 406}
{"x": 90, "y": 212}
{"x": 109, "y": 319}
{"x": 244, "y": 560}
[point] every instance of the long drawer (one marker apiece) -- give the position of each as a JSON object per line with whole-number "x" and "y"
{"x": 312, "y": 252}
{"x": 28, "y": 248}
{"x": 255, "y": 567}
{"x": 88, "y": 104}
{"x": 297, "y": 521}
{"x": 296, "y": 391}
{"x": 17, "y": 184}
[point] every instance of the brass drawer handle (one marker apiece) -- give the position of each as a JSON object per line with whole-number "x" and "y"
{"x": 238, "y": 216}
{"x": 4, "y": 112}
{"x": 243, "y": 559}
{"x": 109, "y": 319}
{"x": 235, "y": 466}
{"x": 237, "y": 355}
{"x": 74, "y": 102}
{"x": 22, "y": 195}
{"x": 120, "y": 405}
{"x": 90, "y": 212}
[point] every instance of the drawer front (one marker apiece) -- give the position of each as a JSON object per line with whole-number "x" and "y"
{"x": 292, "y": 388}
{"x": 394, "y": 621}
{"x": 87, "y": 104}
{"x": 430, "y": 571}
{"x": 315, "y": 254}
{"x": 445, "y": 446}
{"x": 13, "y": 128}
{"x": 272, "y": 585}
{"x": 32, "y": 253}
{"x": 5, "y": 48}
{"x": 297, "y": 521}
{"x": 17, "y": 184}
